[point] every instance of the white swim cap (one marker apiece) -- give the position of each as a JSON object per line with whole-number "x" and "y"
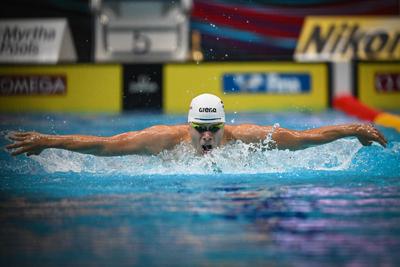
{"x": 206, "y": 108}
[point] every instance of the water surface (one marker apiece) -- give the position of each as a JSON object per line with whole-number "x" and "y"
{"x": 336, "y": 204}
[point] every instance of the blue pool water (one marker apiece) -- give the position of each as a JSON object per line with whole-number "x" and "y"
{"x": 336, "y": 204}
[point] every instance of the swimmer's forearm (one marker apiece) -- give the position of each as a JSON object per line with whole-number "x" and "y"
{"x": 33, "y": 143}
{"x": 288, "y": 139}
{"x": 94, "y": 145}
{"x": 328, "y": 134}
{"x": 139, "y": 142}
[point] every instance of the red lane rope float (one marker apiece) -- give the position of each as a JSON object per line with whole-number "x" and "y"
{"x": 353, "y": 107}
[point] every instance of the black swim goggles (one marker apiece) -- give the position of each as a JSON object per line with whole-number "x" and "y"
{"x": 201, "y": 128}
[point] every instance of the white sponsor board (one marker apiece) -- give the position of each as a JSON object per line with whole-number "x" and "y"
{"x": 36, "y": 41}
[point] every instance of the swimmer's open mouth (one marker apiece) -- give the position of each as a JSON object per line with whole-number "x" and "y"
{"x": 206, "y": 148}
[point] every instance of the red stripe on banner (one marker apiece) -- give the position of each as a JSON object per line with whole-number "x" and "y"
{"x": 353, "y": 107}
{"x": 247, "y": 13}
{"x": 242, "y": 25}
{"x": 294, "y": 14}
{"x": 347, "y": 8}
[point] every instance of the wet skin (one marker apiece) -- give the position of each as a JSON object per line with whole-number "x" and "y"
{"x": 153, "y": 140}
{"x": 205, "y": 141}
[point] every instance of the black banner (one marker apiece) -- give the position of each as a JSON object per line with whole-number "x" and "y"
{"x": 142, "y": 87}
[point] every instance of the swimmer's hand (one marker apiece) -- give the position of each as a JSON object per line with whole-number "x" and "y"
{"x": 367, "y": 133}
{"x": 31, "y": 143}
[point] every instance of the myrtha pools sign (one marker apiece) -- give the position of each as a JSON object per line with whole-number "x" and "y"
{"x": 34, "y": 40}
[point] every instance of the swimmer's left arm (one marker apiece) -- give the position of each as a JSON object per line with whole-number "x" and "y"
{"x": 294, "y": 139}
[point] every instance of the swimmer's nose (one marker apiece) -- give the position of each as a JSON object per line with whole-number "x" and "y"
{"x": 207, "y": 136}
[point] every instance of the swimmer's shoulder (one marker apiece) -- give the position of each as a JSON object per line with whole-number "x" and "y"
{"x": 229, "y": 132}
{"x": 245, "y": 131}
{"x": 179, "y": 132}
{"x": 245, "y": 127}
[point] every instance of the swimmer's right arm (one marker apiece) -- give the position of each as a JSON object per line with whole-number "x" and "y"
{"x": 148, "y": 141}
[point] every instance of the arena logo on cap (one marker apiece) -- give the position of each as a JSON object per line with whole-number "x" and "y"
{"x": 214, "y": 110}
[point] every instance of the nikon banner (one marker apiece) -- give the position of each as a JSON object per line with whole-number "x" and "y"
{"x": 342, "y": 38}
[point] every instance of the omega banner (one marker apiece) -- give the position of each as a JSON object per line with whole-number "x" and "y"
{"x": 36, "y": 41}
{"x": 346, "y": 37}
{"x": 61, "y": 88}
{"x": 55, "y": 84}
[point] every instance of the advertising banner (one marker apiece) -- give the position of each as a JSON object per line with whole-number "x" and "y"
{"x": 378, "y": 84}
{"x": 342, "y": 38}
{"x": 248, "y": 86}
{"x": 61, "y": 88}
{"x": 33, "y": 84}
{"x": 142, "y": 87}
{"x": 277, "y": 83}
{"x": 36, "y": 41}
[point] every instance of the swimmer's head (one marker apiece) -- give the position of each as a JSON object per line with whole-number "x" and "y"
{"x": 206, "y": 108}
{"x": 206, "y": 120}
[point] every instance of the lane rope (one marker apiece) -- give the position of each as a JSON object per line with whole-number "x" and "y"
{"x": 353, "y": 107}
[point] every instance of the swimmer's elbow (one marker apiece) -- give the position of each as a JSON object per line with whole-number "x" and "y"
{"x": 147, "y": 142}
{"x": 289, "y": 139}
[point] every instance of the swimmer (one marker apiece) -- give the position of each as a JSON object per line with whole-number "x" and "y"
{"x": 205, "y": 130}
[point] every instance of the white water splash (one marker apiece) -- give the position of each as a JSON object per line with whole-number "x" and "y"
{"x": 233, "y": 158}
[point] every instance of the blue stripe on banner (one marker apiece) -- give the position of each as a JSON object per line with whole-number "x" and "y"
{"x": 243, "y": 35}
{"x": 277, "y": 83}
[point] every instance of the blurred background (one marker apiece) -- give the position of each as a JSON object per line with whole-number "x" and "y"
{"x": 120, "y": 55}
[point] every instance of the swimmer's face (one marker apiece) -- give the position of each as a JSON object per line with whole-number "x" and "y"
{"x": 207, "y": 136}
